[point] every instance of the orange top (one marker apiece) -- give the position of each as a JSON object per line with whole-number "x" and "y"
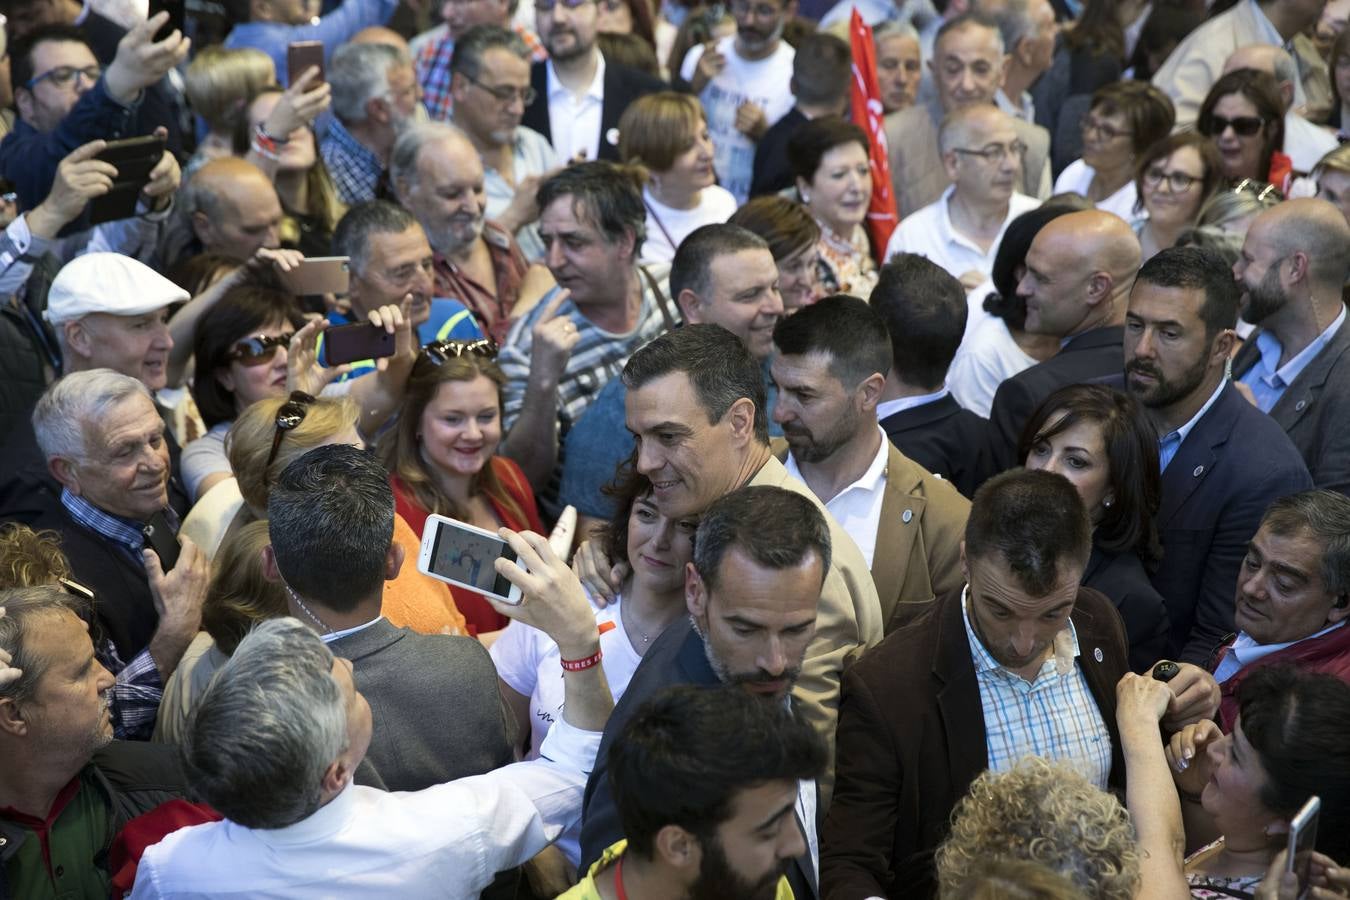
{"x": 414, "y": 600}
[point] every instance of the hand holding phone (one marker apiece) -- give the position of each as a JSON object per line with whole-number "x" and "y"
{"x": 135, "y": 160}
{"x": 1302, "y": 839}
{"x": 317, "y": 275}
{"x": 349, "y": 343}
{"x": 301, "y": 55}
{"x": 462, "y": 555}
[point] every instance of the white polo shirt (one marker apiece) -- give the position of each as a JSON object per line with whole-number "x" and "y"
{"x": 857, "y": 508}
{"x": 929, "y": 232}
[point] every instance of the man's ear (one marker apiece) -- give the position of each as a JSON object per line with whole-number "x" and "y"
{"x": 393, "y": 561}
{"x": 869, "y": 391}
{"x": 459, "y": 85}
{"x": 12, "y": 720}
{"x": 1298, "y": 266}
{"x": 270, "y": 570}
{"x": 627, "y": 244}
{"x": 1003, "y": 70}
{"x": 691, "y": 305}
{"x": 202, "y": 227}
{"x": 1099, "y": 288}
{"x": 25, "y": 102}
{"x": 949, "y": 163}
{"x": 377, "y": 110}
{"x": 695, "y": 592}
{"x": 65, "y": 471}
{"x": 1339, "y": 611}
{"x": 79, "y": 337}
{"x": 741, "y": 417}
{"x": 1223, "y": 347}
{"x": 336, "y": 776}
{"x": 678, "y": 849}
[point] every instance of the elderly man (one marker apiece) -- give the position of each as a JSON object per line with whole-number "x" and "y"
{"x": 982, "y": 156}
{"x": 230, "y": 208}
{"x": 275, "y": 738}
{"x": 375, "y": 97}
{"x": 1029, "y": 31}
{"x": 1304, "y": 142}
{"x": 66, "y": 787}
{"x": 899, "y": 65}
{"x": 967, "y": 67}
{"x": 1294, "y": 261}
{"x": 434, "y": 49}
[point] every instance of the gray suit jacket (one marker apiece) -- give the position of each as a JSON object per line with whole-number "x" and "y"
{"x": 438, "y": 714}
{"x": 1315, "y": 410}
{"x": 917, "y": 174}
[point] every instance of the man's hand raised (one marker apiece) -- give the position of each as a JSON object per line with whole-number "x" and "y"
{"x": 141, "y": 60}
{"x": 552, "y": 598}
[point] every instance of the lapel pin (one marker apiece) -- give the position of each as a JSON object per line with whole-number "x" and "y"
{"x": 906, "y": 516}
{"x": 1097, "y": 654}
{"x": 1199, "y": 470}
{"x": 612, "y": 136}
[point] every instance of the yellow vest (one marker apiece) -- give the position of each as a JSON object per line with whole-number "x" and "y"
{"x": 586, "y": 889}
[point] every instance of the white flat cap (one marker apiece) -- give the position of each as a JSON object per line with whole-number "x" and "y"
{"x": 108, "y": 283}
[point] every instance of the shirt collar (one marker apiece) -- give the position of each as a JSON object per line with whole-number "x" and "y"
{"x": 318, "y": 826}
{"x": 1246, "y": 650}
{"x": 1271, "y": 348}
{"x": 870, "y": 480}
{"x": 115, "y": 528}
{"x": 1066, "y": 645}
{"x": 334, "y": 635}
{"x": 1179, "y": 434}
{"x": 596, "y": 91}
{"x": 888, "y": 408}
{"x": 339, "y": 135}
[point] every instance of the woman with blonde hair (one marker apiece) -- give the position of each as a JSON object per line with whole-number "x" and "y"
{"x": 219, "y": 84}
{"x": 1332, "y": 174}
{"x": 666, "y": 134}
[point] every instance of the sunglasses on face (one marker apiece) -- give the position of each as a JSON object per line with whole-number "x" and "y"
{"x": 438, "y": 353}
{"x": 258, "y": 351}
{"x": 289, "y": 417}
{"x": 1243, "y": 126}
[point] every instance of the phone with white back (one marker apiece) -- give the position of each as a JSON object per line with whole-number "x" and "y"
{"x": 1302, "y": 840}
{"x": 465, "y": 556}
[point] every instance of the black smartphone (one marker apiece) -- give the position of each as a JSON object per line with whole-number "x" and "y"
{"x": 349, "y": 343}
{"x": 160, "y": 538}
{"x": 133, "y": 158}
{"x": 300, "y": 55}
{"x": 177, "y": 15}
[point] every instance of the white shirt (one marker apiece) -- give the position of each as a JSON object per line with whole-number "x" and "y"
{"x": 929, "y": 232}
{"x": 763, "y": 82}
{"x": 986, "y": 357}
{"x": 1077, "y": 179}
{"x": 889, "y": 408}
{"x": 1024, "y": 108}
{"x": 857, "y": 508}
{"x": 667, "y": 227}
{"x": 1305, "y": 142}
{"x": 575, "y": 121}
{"x": 447, "y": 841}
{"x": 1246, "y": 650}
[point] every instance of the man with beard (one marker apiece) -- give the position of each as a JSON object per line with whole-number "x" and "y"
{"x": 375, "y": 97}
{"x": 706, "y": 780}
{"x": 1294, "y": 261}
{"x": 1223, "y": 460}
{"x": 762, "y": 556}
{"x": 66, "y": 787}
{"x": 830, "y": 364}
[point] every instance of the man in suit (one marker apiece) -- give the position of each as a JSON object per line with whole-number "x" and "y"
{"x": 762, "y": 557}
{"x": 942, "y": 699}
{"x": 1294, "y": 261}
{"x": 967, "y": 68}
{"x": 1223, "y": 460}
{"x": 578, "y": 94}
{"x": 1078, "y": 275}
{"x": 434, "y": 699}
{"x": 830, "y": 362}
{"x": 924, "y": 309}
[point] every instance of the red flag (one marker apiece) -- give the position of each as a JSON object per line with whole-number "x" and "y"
{"x": 867, "y": 114}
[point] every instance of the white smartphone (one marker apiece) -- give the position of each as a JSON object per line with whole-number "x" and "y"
{"x": 463, "y": 555}
{"x": 1302, "y": 839}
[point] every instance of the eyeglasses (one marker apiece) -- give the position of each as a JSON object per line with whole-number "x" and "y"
{"x": 995, "y": 152}
{"x": 1177, "y": 182}
{"x": 1243, "y": 126}
{"x": 1258, "y": 189}
{"x": 547, "y": 6}
{"x": 289, "y": 417}
{"x": 504, "y": 93}
{"x": 1108, "y": 132}
{"x": 258, "y": 351}
{"x": 62, "y": 76}
{"x": 438, "y": 353}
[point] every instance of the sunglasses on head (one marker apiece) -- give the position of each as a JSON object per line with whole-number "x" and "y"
{"x": 258, "y": 351}
{"x": 289, "y": 417}
{"x": 438, "y": 353}
{"x": 1243, "y": 126}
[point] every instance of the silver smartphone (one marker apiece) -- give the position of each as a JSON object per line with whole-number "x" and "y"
{"x": 465, "y": 556}
{"x": 1302, "y": 840}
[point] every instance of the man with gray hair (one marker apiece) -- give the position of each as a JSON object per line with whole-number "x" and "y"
{"x": 899, "y": 64}
{"x": 1304, "y": 142}
{"x": 276, "y": 737}
{"x": 1029, "y": 32}
{"x": 230, "y": 208}
{"x": 375, "y": 98}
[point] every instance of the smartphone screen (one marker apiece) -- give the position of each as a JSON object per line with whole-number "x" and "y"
{"x": 1302, "y": 840}
{"x": 349, "y": 343}
{"x": 468, "y": 558}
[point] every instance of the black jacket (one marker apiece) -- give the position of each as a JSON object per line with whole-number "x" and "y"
{"x": 944, "y": 438}
{"x": 1124, "y": 580}
{"x": 622, "y": 86}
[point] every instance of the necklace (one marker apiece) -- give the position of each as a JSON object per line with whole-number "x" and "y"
{"x": 618, "y": 880}
{"x": 305, "y": 609}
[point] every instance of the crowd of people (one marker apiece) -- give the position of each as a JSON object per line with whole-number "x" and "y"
{"x": 996, "y": 545}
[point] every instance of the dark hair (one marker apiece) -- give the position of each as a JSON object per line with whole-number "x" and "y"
{"x": 644, "y": 25}
{"x": 1193, "y": 268}
{"x": 718, "y": 365}
{"x": 809, "y": 143}
{"x": 351, "y": 237}
{"x": 1035, "y": 521}
{"x": 691, "y": 269}
{"x": 846, "y": 329}
{"x": 1131, "y": 445}
{"x": 1326, "y": 515}
{"x": 21, "y": 69}
{"x": 1097, "y": 31}
{"x": 628, "y": 487}
{"x": 240, "y": 313}
{"x": 631, "y": 50}
{"x": 1209, "y": 158}
{"x": 1263, "y": 92}
{"x": 1166, "y": 27}
{"x": 1012, "y": 256}
{"x": 467, "y": 57}
{"x": 924, "y": 310}
{"x": 607, "y": 195}
{"x": 773, "y": 526}
{"x": 688, "y": 751}
{"x": 1298, "y": 723}
{"x": 822, "y": 69}
{"x": 784, "y": 224}
{"x": 331, "y": 520}
{"x": 1148, "y": 111}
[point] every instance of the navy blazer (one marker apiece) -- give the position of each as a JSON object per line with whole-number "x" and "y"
{"x": 1234, "y": 462}
{"x": 944, "y": 438}
{"x": 1124, "y": 580}
{"x": 622, "y": 86}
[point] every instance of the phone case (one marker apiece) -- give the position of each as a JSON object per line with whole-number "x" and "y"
{"x": 300, "y": 55}
{"x": 349, "y": 343}
{"x": 133, "y": 158}
{"x": 472, "y": 565}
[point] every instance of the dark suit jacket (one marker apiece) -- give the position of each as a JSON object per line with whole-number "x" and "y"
{"x": 161, "y": 103}
{"x": 1124, "y": 581}
{"x": 1315, "y": 409}
{"x": 622, "y": 86}
{"x": 1089, "y": 356}
{"x": 911, "y": 739}
{"x": 437, "y": 712}
{"x": 1234, "y": 462}
{"x": 772, "y": 172}
{"x": 945, "y": 439}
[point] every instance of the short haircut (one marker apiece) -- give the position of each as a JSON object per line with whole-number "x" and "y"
{"x": 266, "y": 728}
{"x": 76, "y": 401}
{"x": 1194, "y": 268}
{"x": 924, "y": 310}
{"x": 968, "y": 124}
{"x": 971, "y": 20}
{"x": 689, "y": 750}
{"x": 822, "y": 69}
{"x": 656, "y": 129}
{"x": 24, "y": 607}
{"x": 772, "y": 526}
{"x": 718, "y": 365}
{"x": 893, "y": 28}
{"x": 809, "y": 143}
{"x": 1015, "y": 23}
{"x": 220, "y": 82}
{"x": 359, "y": 73}
{"x": 331, "y": 517}
{"x": 606, "y": 195}
{"x": 844, "y": 328}
{"x": 691, "y": 270}
{"x": 1324, "y": 515}
{"x": 1035, "y": 522}
{"x": 1209, "y": 159}
{"x": 239, "y": 595}
{"x": 21, "y": 70}
{"x": 784, "y": 224}
{"x": 407, "y": 151}
{"x": 352, "y": 236}
{"x": 1147, "y": 111}
{"x": 471, "y": 46}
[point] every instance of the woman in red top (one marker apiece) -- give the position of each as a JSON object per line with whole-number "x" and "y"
{"x": 441, "y": 457}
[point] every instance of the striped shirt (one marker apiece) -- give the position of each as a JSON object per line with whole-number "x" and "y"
{"x": 1054, "y": 716}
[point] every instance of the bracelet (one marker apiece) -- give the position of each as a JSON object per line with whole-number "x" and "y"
{"x": 265, "y": 146}
{"x": 581, "y": 665}
{"x": 276, "y": 140}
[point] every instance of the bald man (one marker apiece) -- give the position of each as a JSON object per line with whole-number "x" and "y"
{"x": 1294, "y": 261}
{"x": 1303, "y": 141}
{"x": 232, "y": 208}
{"x": 982, "y": 155}
{"x": 1079, "y": 271}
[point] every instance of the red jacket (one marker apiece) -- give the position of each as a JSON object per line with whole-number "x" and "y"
{"x": 1329, "y": 653}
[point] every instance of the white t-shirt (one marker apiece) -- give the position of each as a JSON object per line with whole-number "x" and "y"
{"x": 1077, "y": 178}
{"x": 987, "y": 357}
{"x": 666, "y": 225}
{"x": 763, "y": 82}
